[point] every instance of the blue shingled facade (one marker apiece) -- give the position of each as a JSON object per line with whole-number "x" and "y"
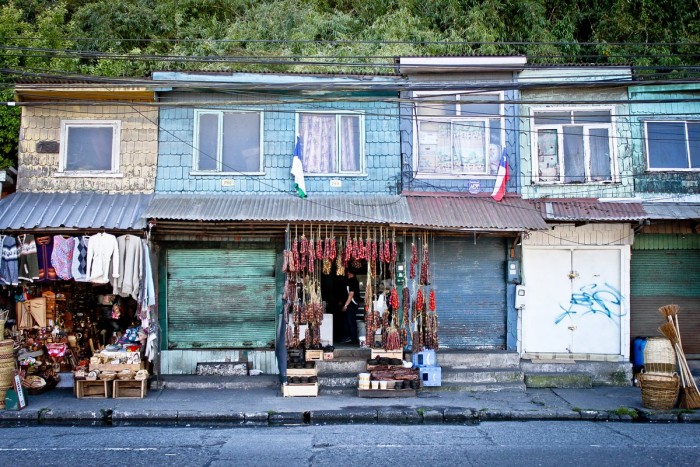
{"x": 177, "y": 126}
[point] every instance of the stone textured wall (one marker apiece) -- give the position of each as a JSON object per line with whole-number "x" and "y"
{"x": 138, "y": 149}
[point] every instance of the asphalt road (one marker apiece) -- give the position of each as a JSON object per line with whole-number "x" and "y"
{"x": 498, "y": 443}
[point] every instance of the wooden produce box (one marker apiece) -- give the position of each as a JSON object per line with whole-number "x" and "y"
{"x": 85, "y": 389}
{"x": 386, "y": 393}
{"x": 117, "y": 367}
{"x": 129, "y": 389}
{"x": 381, "y": 353}
{"x": 300, "y": 390}
{"x": 302, "y": 371}
{"x": 313, "y": 355}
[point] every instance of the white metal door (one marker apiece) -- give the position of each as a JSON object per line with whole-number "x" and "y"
{"x": 574, "y": 304}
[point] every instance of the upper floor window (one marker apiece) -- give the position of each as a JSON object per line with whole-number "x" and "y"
{"x": 573, "y": 145}
{"x": 332, "y": 143}
{"x": 90, "y": 146}
{"x": 673, "y": 145}
{"x": 459, "y": 134}
{"x": 228, "y": 141}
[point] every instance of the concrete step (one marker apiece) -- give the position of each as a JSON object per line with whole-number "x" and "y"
{"x": 342, "y": 365}
{"x": 214, "y": 382}
{"x": 355, "y": 352}
{"x": 478, "y": 360}
{"x": 571, "y": 379}
{"x": 602, "y": 373}
{"x": 482, "y": 376}
{"x": 337, "y": 380}
{"x": 476, "y": 387}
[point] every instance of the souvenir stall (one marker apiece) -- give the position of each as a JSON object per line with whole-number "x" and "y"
{"x": 77, "y": 305}
{"x": 390, "y": 325}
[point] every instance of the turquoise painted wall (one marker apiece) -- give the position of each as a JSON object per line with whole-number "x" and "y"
{"x": 558, "y": 98}
{"x": 652, "y": 103}
{"x": 382, "y": 148}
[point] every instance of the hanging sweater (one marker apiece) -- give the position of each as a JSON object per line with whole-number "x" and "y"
{"x": 10, "y": 256}
{"x": 44, "y": 251}
{"x": 62, "y": 257}
{"x": 128, "y": 282}
{"x": 102, "y": 249}
{"x": 28, "y": 261}
{"x": 79, "y": 265}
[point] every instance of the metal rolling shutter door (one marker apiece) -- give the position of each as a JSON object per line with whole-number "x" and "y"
{"x": 470, "y": 292}
{"x": 221, "y": 298}
{"x": 662, "y": 277}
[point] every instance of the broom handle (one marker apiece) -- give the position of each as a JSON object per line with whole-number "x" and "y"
{"x": 680, "y": 364}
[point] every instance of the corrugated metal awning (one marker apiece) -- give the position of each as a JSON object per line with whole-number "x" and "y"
{"x": 664, "y": 210}
{"x": 24, "y": 211}
{"x": 370, "y": 209}
{"x": 473, "y": 212}
{"x": 572, "y": 210}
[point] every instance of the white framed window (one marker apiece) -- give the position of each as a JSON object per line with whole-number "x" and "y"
{"x": 574, "y": 145}
{"x": 228, "y": 141}
{"x": 332, "y": 143}
{"x": 673, "y": 145}
{"x": 89, "y": 147}
{"x": 458, "y": 134}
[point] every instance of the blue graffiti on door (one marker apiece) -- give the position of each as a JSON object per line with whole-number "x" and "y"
{"x": 593, "y": 299}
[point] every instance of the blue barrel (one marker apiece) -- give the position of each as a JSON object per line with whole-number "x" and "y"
{"x": 638, "y": 345}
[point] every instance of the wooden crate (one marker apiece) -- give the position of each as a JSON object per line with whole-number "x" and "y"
{"x": 117, "y": 367}
{"x": 328, "y": 355}
{"x": 381, "y": 353}
{"x": 300, "y": 390}
{"x": 129, "y": 389}
{"x": 85, "y": 389}
{"x": 312, "y": 355}
{"x": 302, "y": 371}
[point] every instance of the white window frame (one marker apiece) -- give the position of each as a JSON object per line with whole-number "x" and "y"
{"x": 614, "y": 174}
{"x": 338, "y": 141}
{"x": 115, "y": 125}
{"x": 687, "y": 146}
{"x": 220, "y": 143}
{"x": 485, "y": 119}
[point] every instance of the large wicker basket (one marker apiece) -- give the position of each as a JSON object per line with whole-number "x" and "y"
{"x": 659, "y": 391}
{"x": 659, "y": 356}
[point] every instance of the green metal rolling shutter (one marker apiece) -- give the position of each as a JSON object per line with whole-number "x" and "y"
{"x": 470, "y": 291}
{"x": 221, "y": 298}
{"x": 661, "y": 277}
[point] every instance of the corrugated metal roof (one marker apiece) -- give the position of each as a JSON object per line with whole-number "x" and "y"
{"x": 473, "y": 212}
{"x": 280, "y": 208}
{"x": 21, "y": 210}
{"x": 589, "y": 210}
{"x": 665, "y": 210}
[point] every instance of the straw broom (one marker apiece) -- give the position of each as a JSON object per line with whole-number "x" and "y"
{"x": 689, "y": 396}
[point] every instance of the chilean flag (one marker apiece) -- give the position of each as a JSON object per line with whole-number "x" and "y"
{"x": 499, "y": 189}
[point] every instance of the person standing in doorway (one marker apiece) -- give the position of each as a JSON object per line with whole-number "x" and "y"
{"x": 350, "y": 306}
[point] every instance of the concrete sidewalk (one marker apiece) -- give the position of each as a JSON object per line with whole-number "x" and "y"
{"x": 265, "y": 406}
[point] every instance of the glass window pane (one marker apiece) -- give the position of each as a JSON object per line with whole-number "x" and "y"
{"x": 350, "y": 144}
{"x": 574, "y": 162}
{"x": 89, "y": 148}
{"x": 694, "y": 143}
{"x": 436, "y": 106}
{"x": 495, "y": 145}
{"x": 241, "y": 147}
{"x": 318, "y": 142}
{"x": 207, "y": 144}
{"x": 667, "y": 145}
{"x": 552, "y": 118}
{"x": 548, "y": 155}
{"x": 592, "y": 116}
{"x": 599, "y": 144}
{"x": 469, "y": 144}
{"x": 479, "y": 104}
{"x": 434, "y": 147}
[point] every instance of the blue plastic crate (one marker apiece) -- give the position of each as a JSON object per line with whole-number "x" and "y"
{"x": 424, "y": 358}
{"x": 430, "y": 375}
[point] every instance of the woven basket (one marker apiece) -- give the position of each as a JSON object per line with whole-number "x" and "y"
{"x": 5, "y": 364}
{"x": 6, "y": 377}
{"x": 107, "y": 376}
{"x": 125, "y": 375}
{"x": 659, "y": 356}
{"x": 2, "y": 398}
{"x": 659, "y": 391}
{"x": 9, "y": 343}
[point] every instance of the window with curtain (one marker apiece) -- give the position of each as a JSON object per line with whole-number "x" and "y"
{"x": 90, "y": 146}
{"x": 228, "y": 141}
{"x": 459, "y": 134}
{"x": 673, "y": 145}
{"x": 573, "y": 146}
{"x": 331, "y": 143}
